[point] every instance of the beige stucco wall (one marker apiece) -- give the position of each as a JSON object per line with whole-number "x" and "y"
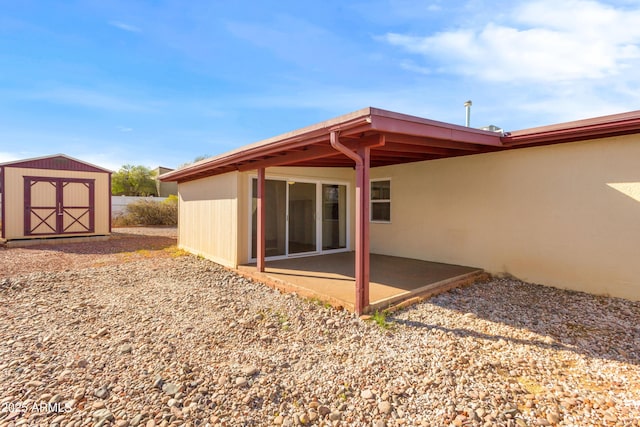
{"x": 325, "y": 175}
{"x": 208, "y": 218}
{"x": 165, "y": 189}
{"x": 566, "y": 215}
{"x": 14, "y": 199}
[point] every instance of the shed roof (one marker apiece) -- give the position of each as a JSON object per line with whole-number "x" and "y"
{"x": 406, "y": 139}
{"x": 55, "y": 162}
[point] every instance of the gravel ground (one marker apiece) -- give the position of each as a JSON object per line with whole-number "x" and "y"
{"x": 134, "y": 332}
{"x": 125, "y": 244}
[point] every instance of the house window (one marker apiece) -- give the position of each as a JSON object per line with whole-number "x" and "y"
{"x": 381, "y": 200}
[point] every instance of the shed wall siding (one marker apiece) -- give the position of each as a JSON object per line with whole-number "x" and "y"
{"x": 566, "y": 215}
{"x": 14, "y": 199}
{"x": 207, "y": 218}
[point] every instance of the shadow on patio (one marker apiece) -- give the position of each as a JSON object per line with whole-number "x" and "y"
{"x": 393, "y": 280}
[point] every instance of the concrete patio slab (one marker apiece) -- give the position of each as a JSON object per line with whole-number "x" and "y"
{"x": 331, "y": 278}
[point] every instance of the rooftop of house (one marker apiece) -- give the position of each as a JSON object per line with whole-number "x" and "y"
{"x": 394, "y": 138}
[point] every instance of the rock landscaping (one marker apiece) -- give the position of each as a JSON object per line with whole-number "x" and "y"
{"x": 156, "y": 337}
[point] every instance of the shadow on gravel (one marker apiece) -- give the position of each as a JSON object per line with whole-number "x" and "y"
{"x": 463, "y": 333}
{"x": 117, "y": 243}
{"x": 595, "y": 326}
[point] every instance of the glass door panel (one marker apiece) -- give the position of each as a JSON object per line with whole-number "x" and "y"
{"x": 302, "y": 217}
{"x": 334, "y": 216}
{"x": 275, "y": 217}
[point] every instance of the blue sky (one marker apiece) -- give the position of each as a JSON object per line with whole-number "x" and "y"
{"x": 161, "y": 82}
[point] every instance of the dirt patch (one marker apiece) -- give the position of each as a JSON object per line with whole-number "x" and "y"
{"x": 124, "y": 245}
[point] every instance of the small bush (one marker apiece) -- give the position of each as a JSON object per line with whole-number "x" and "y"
{"x": 149, "y": 212}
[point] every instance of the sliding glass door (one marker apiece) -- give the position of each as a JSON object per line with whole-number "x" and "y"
{"x": 334, "y": 216}
{"x": 301, "y": 218}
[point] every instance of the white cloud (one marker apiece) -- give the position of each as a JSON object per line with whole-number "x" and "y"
{"x": 539, "y": 41}
{"x": 124, "y": 129}
{"x": 124, "y": 26}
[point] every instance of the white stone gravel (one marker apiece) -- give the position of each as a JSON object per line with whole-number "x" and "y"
{"x": 178, "y": 340}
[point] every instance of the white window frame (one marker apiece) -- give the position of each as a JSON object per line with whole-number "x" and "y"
{"x": 371, "y": 202}
{"x": 310, "y": 180}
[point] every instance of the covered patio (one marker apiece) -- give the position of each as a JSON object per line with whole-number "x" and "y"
{"x": 386, "y": 182}
{"x": 360, "y": 140}
{"x": 393, "y": 280}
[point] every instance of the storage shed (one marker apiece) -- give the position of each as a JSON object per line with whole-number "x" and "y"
{"x": 54, "y": 196}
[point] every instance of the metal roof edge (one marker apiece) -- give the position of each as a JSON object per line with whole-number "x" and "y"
{"x": 52, "y": 156}
{"x": 431, "y": 122}
{"x": 592, "y": 128}
{"x": 403, "y": 123}
{"x": 365, "y": 119}
{"x": 356, "y": 118}
{"x": 282, "y": 139}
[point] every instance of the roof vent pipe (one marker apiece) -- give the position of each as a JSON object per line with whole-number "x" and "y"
{"x": 467, "y": 107}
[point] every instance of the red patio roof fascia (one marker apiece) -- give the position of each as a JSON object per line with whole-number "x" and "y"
{"x": 389, "y": 121}
{"x": 296, "y": 138}
{"x": 356, "y": 123}
{"x": 359, "y": 125}
{"x": 579, "y": 130}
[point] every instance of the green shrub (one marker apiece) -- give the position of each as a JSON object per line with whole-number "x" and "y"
{"x": 149, "y": 212}
{"x": 380, "y": 318}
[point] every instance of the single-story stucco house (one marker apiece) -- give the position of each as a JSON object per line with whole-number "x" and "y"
{"x": 557, "y": 205}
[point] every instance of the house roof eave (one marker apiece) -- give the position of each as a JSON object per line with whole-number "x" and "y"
{"x": 357, "y": 125}
{"x": 579, "y": 130}
{"x": 291, "y": 139}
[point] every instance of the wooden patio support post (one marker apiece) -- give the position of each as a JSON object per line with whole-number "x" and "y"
{"x": 261, "y": 202}
{"x": 362, "y": 230}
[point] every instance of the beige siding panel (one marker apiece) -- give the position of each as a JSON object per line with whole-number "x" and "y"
{"x": 207, "y": 219}
{"x": 566, "y": 215}
{"x": 346, "y": 175}
{"x": 42, "y": 195}
{"x": 243, "y": 217}
{"x": 14, "y": 198}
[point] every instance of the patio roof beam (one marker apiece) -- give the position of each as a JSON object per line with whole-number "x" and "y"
{"x": 346, "y": 163}
{"x": 433, "y": 143}
{"x": 316, "y": 152}
{"x": 355, "y": 142}
{"x": 234, "y": 159}
{"x": 394, "y": 157}
{"x": 411, "y": 148}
